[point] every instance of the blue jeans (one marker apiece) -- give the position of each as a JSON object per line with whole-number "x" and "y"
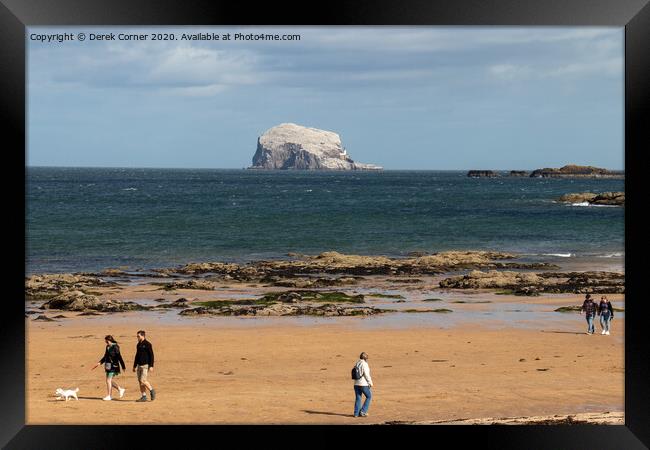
{"x": 590, "y": 323}
{"x": 358, "y": 390}
{"x": 605, "y": 319}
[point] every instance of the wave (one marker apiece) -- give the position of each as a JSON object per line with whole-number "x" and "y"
{"x": 592, "y": 205}
{"x": 130, "y": 189}
{"x": 612, "y": 255}
{"x": 560, "y": 255}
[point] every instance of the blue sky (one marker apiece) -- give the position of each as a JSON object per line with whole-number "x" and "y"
{"x": 401, "y": 97}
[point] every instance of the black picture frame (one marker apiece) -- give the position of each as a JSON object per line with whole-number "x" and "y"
{"x": 634, "y": 15}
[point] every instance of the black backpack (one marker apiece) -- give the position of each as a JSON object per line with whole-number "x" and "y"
{"x": 355, "y": 373}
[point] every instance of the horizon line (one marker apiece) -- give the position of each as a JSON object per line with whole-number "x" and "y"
{"x": 287, "y": 170}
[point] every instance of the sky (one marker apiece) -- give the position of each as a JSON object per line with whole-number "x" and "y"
{"x": 434, "y": 98}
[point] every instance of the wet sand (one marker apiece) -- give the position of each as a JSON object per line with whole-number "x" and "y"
{"x": 282, "y": 371}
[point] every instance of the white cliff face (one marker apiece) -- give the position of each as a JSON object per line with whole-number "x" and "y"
{"x": 291, "y": 146}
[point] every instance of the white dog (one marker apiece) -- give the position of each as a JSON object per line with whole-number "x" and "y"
{"x": 67, "y": 394}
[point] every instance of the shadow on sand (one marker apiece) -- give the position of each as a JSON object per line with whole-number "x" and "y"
{"x": 326, "y": 413}
{"x": 71, "y": 399}
{"x": 563, "y": 332}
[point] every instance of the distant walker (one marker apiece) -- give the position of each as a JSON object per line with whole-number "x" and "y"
{"x": 362, "y": 385}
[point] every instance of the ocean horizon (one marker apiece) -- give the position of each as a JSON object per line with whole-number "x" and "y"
{"x": 88, "y": 219}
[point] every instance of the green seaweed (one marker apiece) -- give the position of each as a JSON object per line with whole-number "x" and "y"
{"x": 439, "y": 310}
{"x": 222, "y": 303}
{"x": 317, "y": 296}
{"x": 432, "y": 300}
{"x": 377, "y": 295}
{"x": 568, "y": 309}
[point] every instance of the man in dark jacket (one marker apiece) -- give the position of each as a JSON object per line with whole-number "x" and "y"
{"x": 589, "y": 308}
{"x": 143, "y": 364}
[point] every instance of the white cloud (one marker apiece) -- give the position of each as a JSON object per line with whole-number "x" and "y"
{"x": 509, "y": 72}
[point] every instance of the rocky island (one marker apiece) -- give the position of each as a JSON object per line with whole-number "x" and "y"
{"x": 574, "y": 171}
{"x": 605, "y": 198}
{"x": 482, "y": 174}
{"x": 294, "y": 147}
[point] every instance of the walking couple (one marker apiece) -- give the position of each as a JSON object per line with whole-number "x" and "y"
{"x": 604, "y": 309}
{"x": 142, "y": 365}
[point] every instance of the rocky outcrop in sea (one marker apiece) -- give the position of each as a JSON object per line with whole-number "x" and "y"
{"x": 519, "y": 283}
{"x": 482, "y": 174}
{"x": 294, "y": 147}
{"x": 338, "y": 263}
{"x": 518, "y": 173}
{"x": 605, "y": 198}
{"x": 574, "y": 171}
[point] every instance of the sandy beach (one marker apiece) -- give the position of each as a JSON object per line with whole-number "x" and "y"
{"x": 238, "y": 346}
{"x": 300, "y": 374}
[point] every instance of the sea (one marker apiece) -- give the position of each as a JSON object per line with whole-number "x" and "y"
{"x": 90, "y": 219}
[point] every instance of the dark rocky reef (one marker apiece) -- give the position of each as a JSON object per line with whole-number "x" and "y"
{"x": 605, "y": 198}
{"x": 519, "y": 283}
{"x": 518, "y": 173}
{"x": 79, "y": 301}
{"x": 574, "y": 171}
{"x": 47, "y": 286}
{"x": 482, "y": 174}
{"x": 355, "y": 265}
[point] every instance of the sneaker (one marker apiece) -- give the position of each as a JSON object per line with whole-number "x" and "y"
{"x": 607, "y": 333}
{"x": 107, "y": 398}
{"x": 362, "y": 414}
{"x": 152, "y": 393}
{"x": 122, "y": 390}
{"x": 142, "y": 399}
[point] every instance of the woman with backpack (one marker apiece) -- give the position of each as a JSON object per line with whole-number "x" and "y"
{"x": 112, "y": 361}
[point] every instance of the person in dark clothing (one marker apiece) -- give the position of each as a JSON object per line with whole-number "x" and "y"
{"x": 112, "y": 361}
{"x": 589, "y": 308}
{"x": 143, "y": 365}
{"x": 606, "y": 313}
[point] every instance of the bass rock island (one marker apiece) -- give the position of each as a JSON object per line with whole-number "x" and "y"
{"x": 293, "y": 147}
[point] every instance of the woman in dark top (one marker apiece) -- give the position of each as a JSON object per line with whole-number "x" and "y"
{"x": 606, "y": 313}
{"x": 112, "y": 361}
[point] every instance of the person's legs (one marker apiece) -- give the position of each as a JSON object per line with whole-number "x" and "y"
{"x": 606, "y": 317}
{"x": 366, "y": 404}
{"x": 602, "y": 323}
{"x": 143, "y": 391}
{"x": 143, "y": 372}
{"x": 357, "y": 400}
{"x": 109, "y": 384}
{"x": 590, "y": 323}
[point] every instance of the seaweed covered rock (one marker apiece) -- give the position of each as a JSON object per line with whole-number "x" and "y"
{"x": 534, "y": 283}
{"x": 79, "y": 301}
{"x": 46, "y": 286}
